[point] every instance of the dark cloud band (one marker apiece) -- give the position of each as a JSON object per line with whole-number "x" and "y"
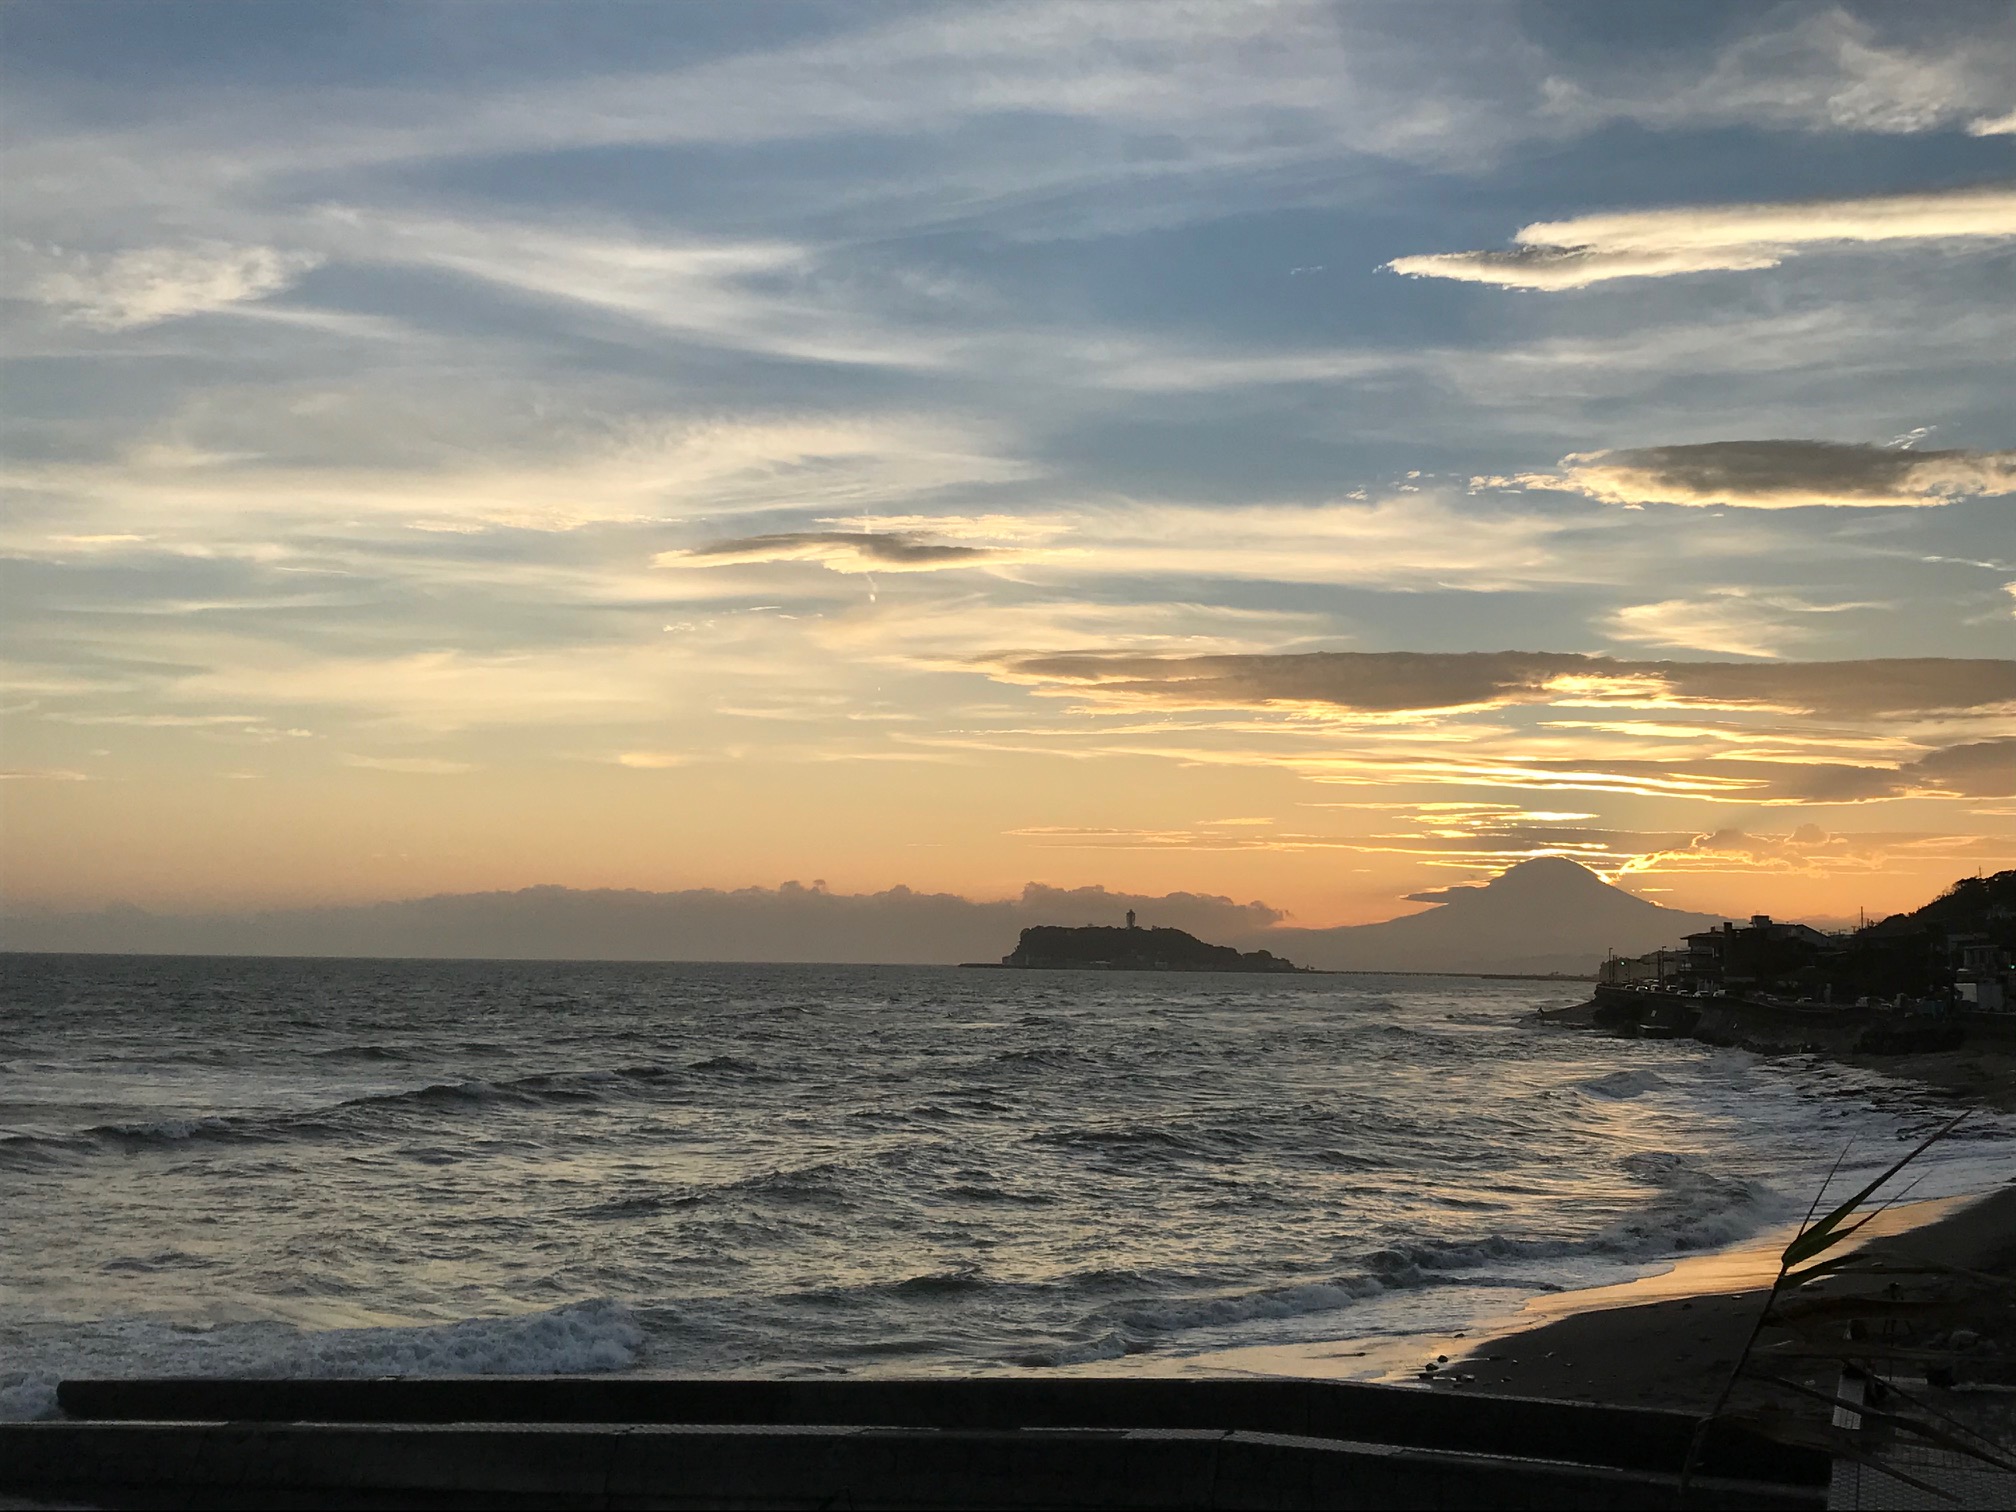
{"x": 845, "y": 551}
{"x": 1386, "y": 682}
{"x": 1778, "y": 475}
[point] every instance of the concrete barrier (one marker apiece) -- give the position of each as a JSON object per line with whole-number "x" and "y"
{"x": 1623, "y": 1438}
{"x": 232, "y": 1465}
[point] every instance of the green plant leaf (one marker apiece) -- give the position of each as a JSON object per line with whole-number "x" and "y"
{"x": 1824, "y": 1235}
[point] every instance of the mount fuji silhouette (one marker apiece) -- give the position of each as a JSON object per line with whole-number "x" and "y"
{"x": 1548, "y": 914}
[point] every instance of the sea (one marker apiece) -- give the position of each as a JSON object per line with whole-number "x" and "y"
{"x": 367, "y": 1168}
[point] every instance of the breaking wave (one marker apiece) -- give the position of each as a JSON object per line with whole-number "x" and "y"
{"x": 578, "y": 1338}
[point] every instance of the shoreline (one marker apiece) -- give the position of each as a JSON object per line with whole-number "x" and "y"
{"x": 1664, "y": 1340}
{"x": 1671, "y": 1340}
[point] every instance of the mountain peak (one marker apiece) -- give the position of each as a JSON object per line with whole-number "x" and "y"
{"x": 1553, "y": 876}
{"x": 1547, "y": 914}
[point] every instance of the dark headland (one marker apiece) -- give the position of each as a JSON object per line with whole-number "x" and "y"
{"x": 1094, "y": 947}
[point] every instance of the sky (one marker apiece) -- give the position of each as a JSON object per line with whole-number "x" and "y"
{"x": 1288, "y": 452}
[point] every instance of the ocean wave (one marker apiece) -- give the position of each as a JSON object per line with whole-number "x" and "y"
{"x": 26, "y": 1152}
{"x": 168, "y": 1259}
{"x": 1621, "y": 1085}
{"x": 1692, "y": 1209}
{"x": 1291, "y": 1301}
{"x": 364, "y": 1053}
{"x": 1160, "y": 1141}
{"x": 1108, "y": 1346}
{"x": 949, "y": 1283}
{"x": 167, "y": 1130}
{"x": 730, "y": 1064}
{"x": 355, "y": 1116}
{"x": 820, "y": 1182}
{"x": 969, "y": 1191}
{"x": 578, "y": 1338}
{"x": 638, "y": 1205}
{"x": 20, "y": 1150}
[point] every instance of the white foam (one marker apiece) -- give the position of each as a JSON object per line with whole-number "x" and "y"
{"x": 581, "y": 1337}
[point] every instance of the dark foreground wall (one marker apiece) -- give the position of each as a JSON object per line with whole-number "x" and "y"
{"x": 661, "y": 1466}
{"x": 1087, "y": 1443}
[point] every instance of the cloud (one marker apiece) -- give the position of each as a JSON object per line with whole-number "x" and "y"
{"x": 1045, "y": 111}
{"x": 1210, "y": 837}
{"x": 1417, "y": 542}
{"x": 773, "y": 297}
{"x": 146, "y": 285}
{"x": 333, "y": 454}
{"x": 1777, "y": 475}
{"x": 1986, "y": 126}
{"x": 1379, "y": 682}
{"x": 653, "y": 761}
{"x": 1979, "y": 769}
{"x": 1573, "y": 254}
{"x": 1734, "y": 621}
{"x": 844, "y": 551}
{"x": 792, "y": 922}
{"x": 1812, "y": 850}
{"x": 1827, "y": 70}
{"x": 423, "y": 766}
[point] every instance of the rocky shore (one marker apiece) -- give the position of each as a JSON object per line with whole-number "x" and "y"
{"x": 1968, "y": 1057}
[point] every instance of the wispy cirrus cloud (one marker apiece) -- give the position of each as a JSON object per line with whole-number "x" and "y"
{"x": 1512, "y": 761}
{"x": 1826, "y": 70}
{"x": 1777, "y": 475}
{"x": 143, "y": 286}
{"x": 1784, "y": 734}
{"x": 1591, "y": 249}
{"x": 1733, "y": 621}
{"x": 268, "y": 458}
{"x": 1815, "y": 850}
{"x": 1413, "y": 540}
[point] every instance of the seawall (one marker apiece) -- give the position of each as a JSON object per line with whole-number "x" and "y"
{"x": 988, "y": 1442}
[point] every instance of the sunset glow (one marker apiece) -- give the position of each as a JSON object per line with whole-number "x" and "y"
{"x": 995, "y": 445}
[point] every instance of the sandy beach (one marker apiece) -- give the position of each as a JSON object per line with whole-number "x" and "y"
{"x": 1667, "y": 1340}
{"x": 1670, "y": 1341}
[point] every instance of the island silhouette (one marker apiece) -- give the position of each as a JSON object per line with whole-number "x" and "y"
{"x": 1097, "y": 947}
